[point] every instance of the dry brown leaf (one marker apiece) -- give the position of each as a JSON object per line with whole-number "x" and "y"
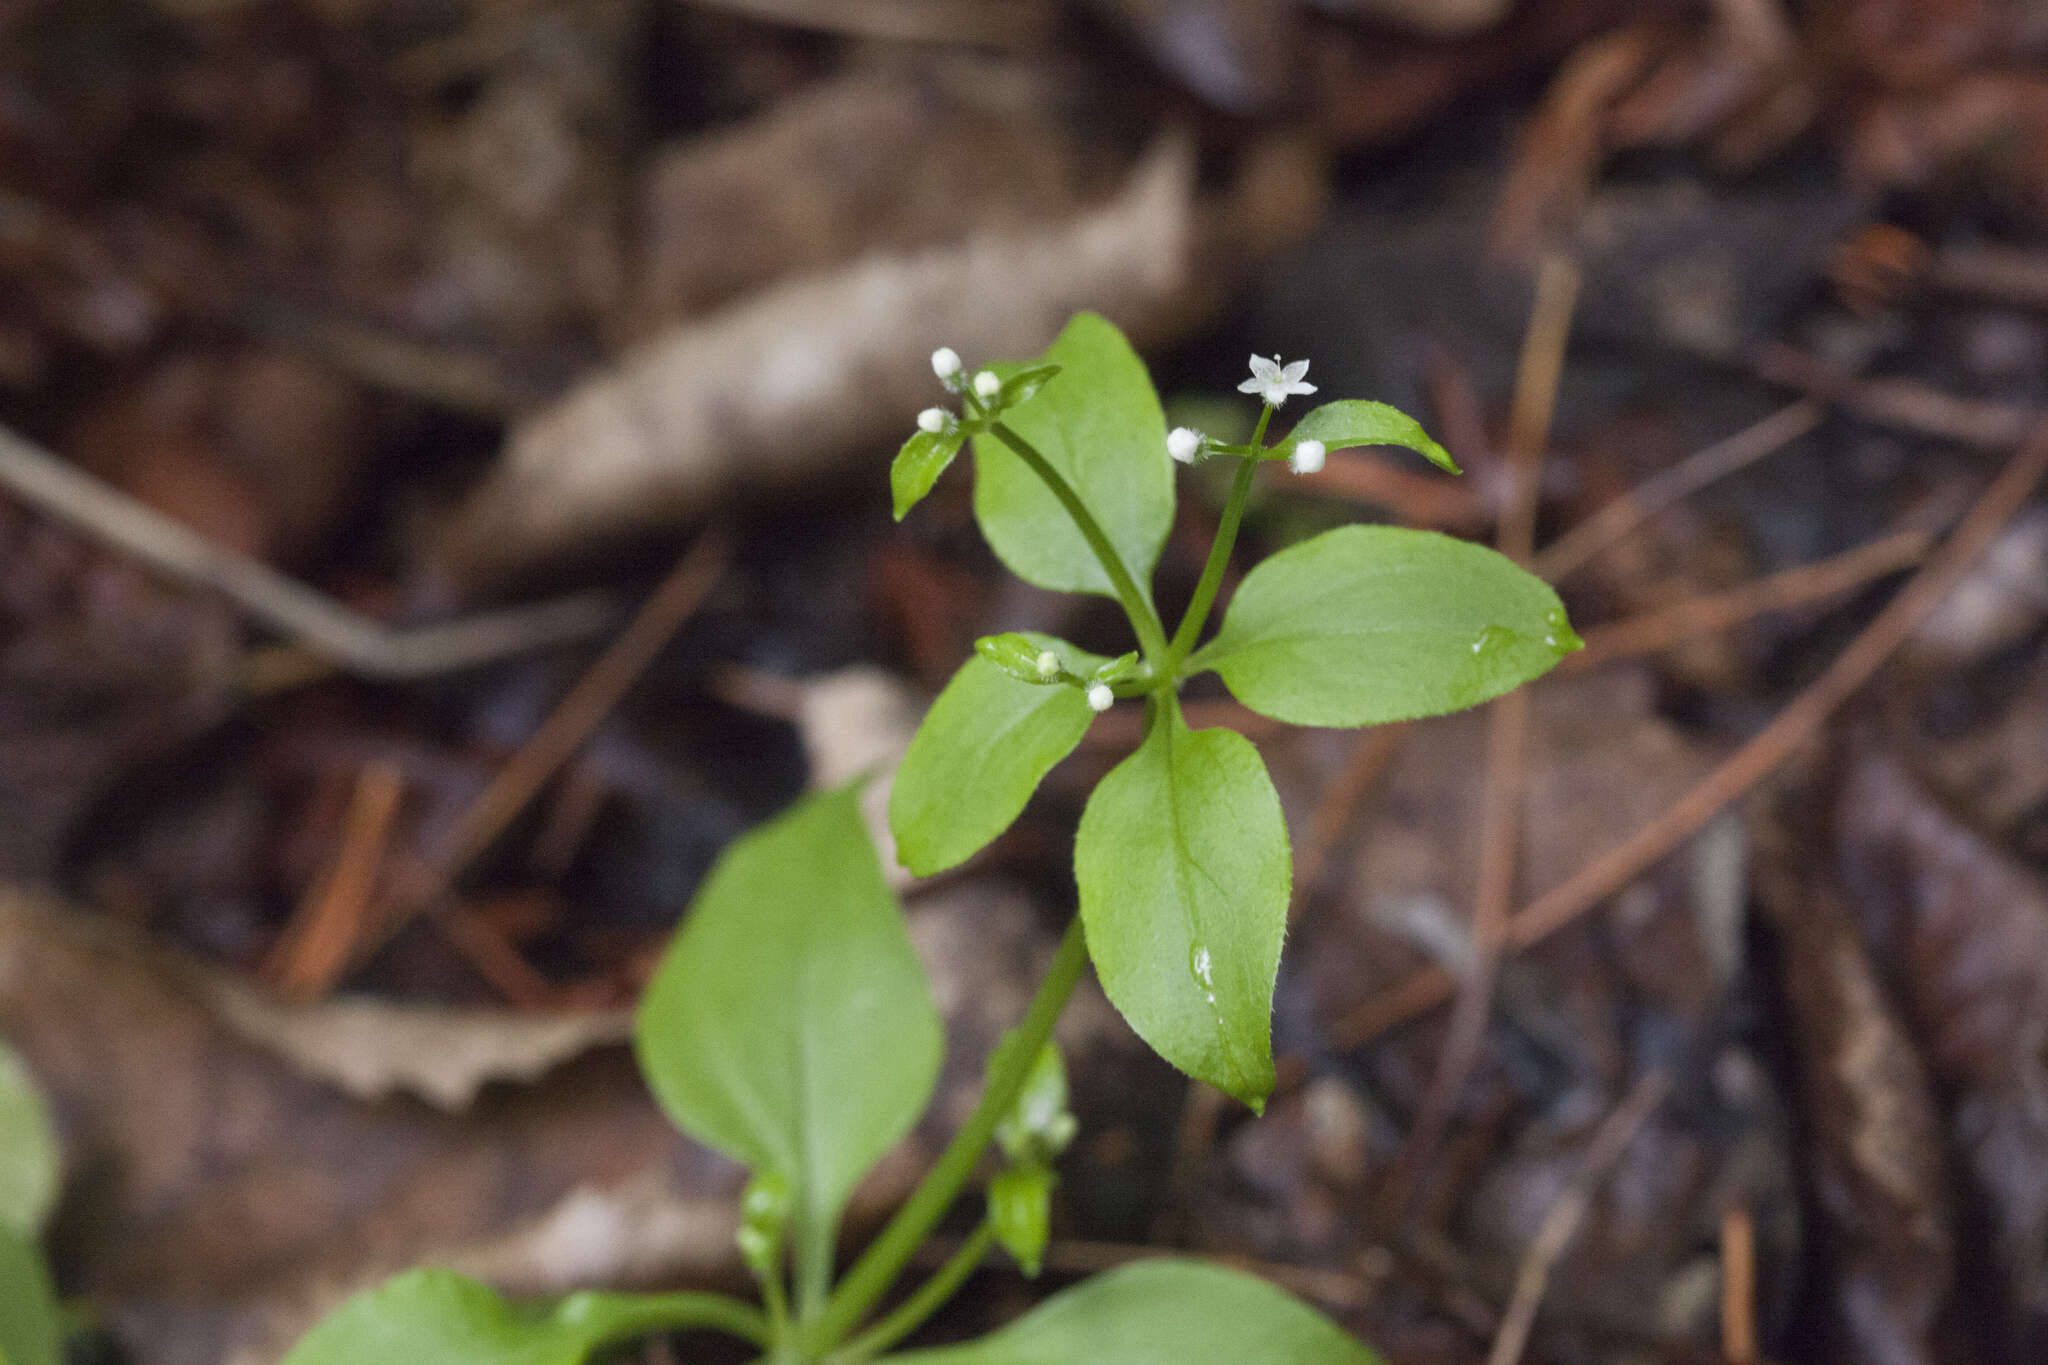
{"x": 1878, "y": 1163}
{"x": 372, "y": 1049}
{"x": 219, "y": 1195}
{"x": 895, "y": 159}
{"x": 781, "y": 387}
{"x": 1964, "y": 928}
{"x": 1412, "y": 882}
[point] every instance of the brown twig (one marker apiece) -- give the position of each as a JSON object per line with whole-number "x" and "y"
{"x": 2007, "y": 274}
{"x": 349, "y": 638}
{"x": 316, "y": 946}
{"x": 1738, "y": 1287}
{"x": 1414, "y": 499}
{"x": 1500, "y": 824}
{"x": 1371, "y": 751}
{"x": 1570, "y": 551}
{"x": 589, "y": 702}
{"x": 502, "y": 966}
{"x": 1799, "y": 587}
{"x": 568, "y": 725}
{"x": 1900, "y": 403}
{"x": 1794, "y": 726}
{"x": 1561, "y": 1221}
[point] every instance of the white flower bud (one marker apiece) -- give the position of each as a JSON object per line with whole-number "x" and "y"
{"x": 1184, "y": 444}
{"x": 1307, "y": 457}
{"x": 1100, "y": 697}
{"x": 934, "y": 420}
{"x": 946, "y": 362}
{"x": 986, "y": 385}
{"x": 1048, "y": 665}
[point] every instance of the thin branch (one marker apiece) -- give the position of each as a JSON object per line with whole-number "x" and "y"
{"x": 1792, "y": 729}
{"x": 1500, "y": 825}
{"x": 1371, "y": 751}
{"x": 1561, "y": 1221}
{"x": 1738, "y": 1287}
{"x": 568, "y": 725}
{"x": 1900, "y": 403}
{"x": 1797, "y": 587}
{"x": 354, "y": 641}
{"x": 1431, "y": 500}
{"x": 1570, "y": 551}
{"x": 316, "y": 945}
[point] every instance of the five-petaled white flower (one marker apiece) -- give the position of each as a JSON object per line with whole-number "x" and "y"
{"x": 1099, "y": 696}
{"x": 1185, "y": 444}
{"x": 1307, "y": 457}
{"x": 1273, "y": 383}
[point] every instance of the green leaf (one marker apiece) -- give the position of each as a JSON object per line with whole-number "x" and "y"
{"x": 1038, "y": 1126}
{"x": 29, "y": 1166}
{"x": 1356, "y": 423}
{"x": 1162, "y": 1312}
{"x": 1020, "y": 1211}
{"x": 984, "y": 747}
{"x": 1099, "y": 424}
{"x": 437, "y": 1317}
{"x": 1183, "y": 869}
{"x": 1022, "y": 658}
{"x": 1117, "y": 670}
{"x": 918, "y": 465}
{"x": 790, "y": 1025}
{"x": 1021, "y": 385}
{"x": 29, "y": 1332}
{"x": 1368, "y": 624}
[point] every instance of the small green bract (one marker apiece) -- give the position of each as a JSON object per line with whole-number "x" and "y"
{"x": 790, "y": 1025}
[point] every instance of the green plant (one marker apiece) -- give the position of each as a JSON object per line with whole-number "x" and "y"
{"x": 31, "y": 1331}
{"x": 790, "y": 1025}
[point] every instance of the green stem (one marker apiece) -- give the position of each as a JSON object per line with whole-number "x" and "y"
{"x": 777, "y": 1303}
{"x": 1009, "y": 1067}
{"x": 636, "y": 1315}
{"x": 1151, "y": 634}
{"x": 1219, "y": 558}
{"x": 909, "y": 1315}
{"x": 815, "y": 1250}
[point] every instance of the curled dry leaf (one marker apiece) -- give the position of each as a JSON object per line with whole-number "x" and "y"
{"x": 230, "y": 1196}
{"x": 371, "y": 1049}
{"x": 1965, "y": 927}
{"x": 779, "y": 387}
{"x": 1879, "y": 1167}
{"x": 890, "y": 160}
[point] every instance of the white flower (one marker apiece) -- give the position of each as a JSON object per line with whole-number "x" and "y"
{"x": 986, "y": 385}
{"x": 934, "y": 420}
{"x": 1048, "y": 665}
{"x": 1307, "y": 457}
{"x": 1099, "y": 696}
{"x": 946, "y": 364}
{"x": 1185, "y": 443}
{"x": 1272, "y": 383}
